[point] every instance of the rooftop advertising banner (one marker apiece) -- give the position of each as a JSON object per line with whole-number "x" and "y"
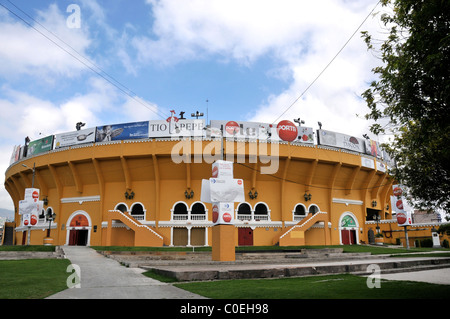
{"x": 15, "y": 154}
{"x": 244, "y": 130}
{"x": 176, "y": 128}
{"x": 117, "y": 132}
{"x": 40, "y": 146}
{"x": 283, "y": 131}
{"x": 373, "y": 148}
{"x": 339, "y": 140}
{"x": 75, "y": 138}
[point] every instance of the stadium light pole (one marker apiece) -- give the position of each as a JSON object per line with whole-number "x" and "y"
{"x": 197, "y": 114}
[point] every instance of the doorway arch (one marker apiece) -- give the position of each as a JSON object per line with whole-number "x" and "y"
{"x": 79, "y": 229}
{"x": 348, "y": 229}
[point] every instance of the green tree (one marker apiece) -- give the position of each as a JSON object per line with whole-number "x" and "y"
{"x": 411, "y": 96}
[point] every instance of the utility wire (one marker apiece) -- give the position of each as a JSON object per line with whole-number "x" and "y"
{"x": 100, "y": 73}
{"x": 326, "y": 67}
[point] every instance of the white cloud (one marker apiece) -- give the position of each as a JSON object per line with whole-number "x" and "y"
{"x": 29, "y": 52}
{"x": 301, "y": 36}
{"x": 24, "y": 115}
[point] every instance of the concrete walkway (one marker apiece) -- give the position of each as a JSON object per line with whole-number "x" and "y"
{"x": 436, "y": 276}
{"x": 104, "y": 278}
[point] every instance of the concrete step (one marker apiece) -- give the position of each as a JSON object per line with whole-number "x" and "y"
{"x": 12, "y": 255}
{"x": 223, "y": 272}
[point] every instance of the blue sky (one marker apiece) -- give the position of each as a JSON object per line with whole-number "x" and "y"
{"x": 250, "y": 59}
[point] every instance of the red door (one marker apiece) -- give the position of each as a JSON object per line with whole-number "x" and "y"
{"x": 348, "y": 236}
{"x": 78, "y": 237}
{"x": 245, "y": 236}
{"x": 345, "y": 236}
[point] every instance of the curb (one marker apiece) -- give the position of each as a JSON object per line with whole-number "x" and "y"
{"x": 283, "y": 271}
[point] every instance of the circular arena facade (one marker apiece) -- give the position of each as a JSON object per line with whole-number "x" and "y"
{"x": 139, "y": 184}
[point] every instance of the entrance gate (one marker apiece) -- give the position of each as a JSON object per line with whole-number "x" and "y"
{"x": 349, "y": 227}
{"x": 78, "y": 230}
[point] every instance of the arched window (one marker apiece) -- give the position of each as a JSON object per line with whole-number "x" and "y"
{"x": 244, "y": 212}
{"x": 122, "y": 207}
{"x": 198, "y": 208}
{"x": 313, "y": 209}
{"x": 138, "y": 211}
{"x": 299, "y": 212}
{"x": 261, "y": 212}
{"x": 261, "y": 209}
{"x": 198, "y": 211}
{"x": 180, "y": 211}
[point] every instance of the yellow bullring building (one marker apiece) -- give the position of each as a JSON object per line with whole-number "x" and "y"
{"x": 139, "y": 184}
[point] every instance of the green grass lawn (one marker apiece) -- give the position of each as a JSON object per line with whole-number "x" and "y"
{"x": 32, "y": 278}
{"x": 316, "y": 287}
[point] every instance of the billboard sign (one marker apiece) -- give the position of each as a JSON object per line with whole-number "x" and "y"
{"x": 283, "y": 131}
{"x": 117, "y": 132}
{"x": 240, "y": 130}
{"x": 40, "y": 146}
{"x": 176, "y": 128}
{"x": 75, "y": 138}
{"x": 339, "y": 140}
{"x": 15, "y": 154}
{"x": 373, "y": 148}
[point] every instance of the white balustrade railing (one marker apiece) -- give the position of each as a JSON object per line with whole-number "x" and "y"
{"x": 189, "y": 217}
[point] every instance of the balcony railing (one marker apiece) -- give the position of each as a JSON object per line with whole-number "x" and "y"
{"x": 139, "y": 217}
{"x": 195, "y": 217}
{"x": 261, "y": 217}
{"x": 244, "y": 217}
{"x": 250, "y": 217}
{"x": 298, "y": 218}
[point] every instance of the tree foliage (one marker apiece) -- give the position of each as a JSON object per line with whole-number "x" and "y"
{"x": 412, "y": 96}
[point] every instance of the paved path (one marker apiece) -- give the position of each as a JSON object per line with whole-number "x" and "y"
{"x": 104, "y": 278}
{"x": 436, "y": 276}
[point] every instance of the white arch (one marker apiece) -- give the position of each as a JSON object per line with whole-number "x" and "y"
{"x": 121, "y": 203}
{"x": 254, "y": 211}
{"x": 352, "y": 216}
{"x": 309, "y": 207}
{"x": 299, "y": 217}
{"x": 267, "y": 206}
{"x": 355, "y": 228}
{"x": 247, "y": 203}
{"x": 301, "y": 204}
{"x": 197, "y": 202}
{"x": 179, "y": 202}
{"x": 138, "y": 203}
{"x": 69, "y": 228}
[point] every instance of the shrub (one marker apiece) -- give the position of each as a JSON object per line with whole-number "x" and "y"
{"x": 445, "y": 243}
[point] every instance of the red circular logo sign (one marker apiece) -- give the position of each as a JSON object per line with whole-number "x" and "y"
{"x": 215, "y": 213}
{"x": 399, "y": 204}
{"x": 33, "y": 220}
{"x": 226, "y": 217}
{"x": 232, "y": 127}
{"x": 287, "y": 131}
{"x": 398, "y": 191}
{"x": 401, "y": 218}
